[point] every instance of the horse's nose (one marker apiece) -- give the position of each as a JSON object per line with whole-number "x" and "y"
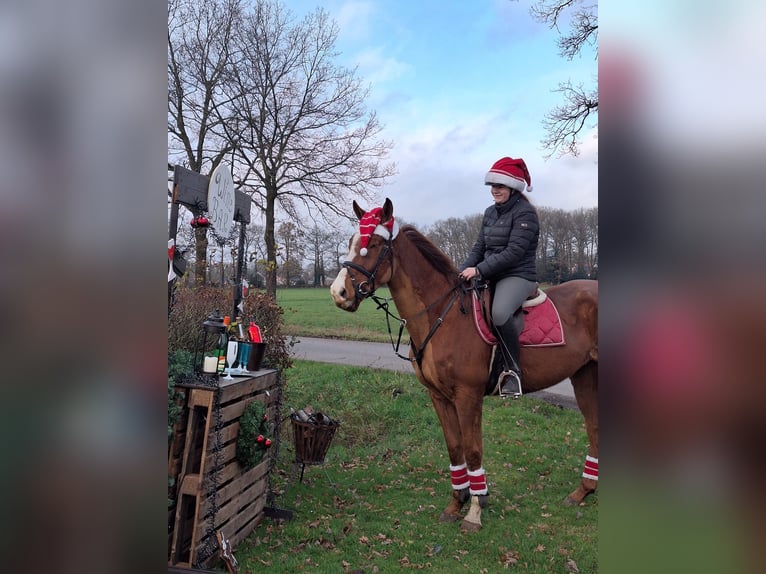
{"x": 338, "y": 289}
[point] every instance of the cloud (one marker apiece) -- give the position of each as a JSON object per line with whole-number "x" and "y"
{"x": 436, "y": 90}
{"x": 442, "y": 166}
{"x": 568, "y": 183}
{"x": 355, "y": 19}
{"x": 378, "y": 68}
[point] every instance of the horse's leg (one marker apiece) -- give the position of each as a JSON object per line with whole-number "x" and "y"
{"x": 585, "y": 383}
{"x": 447, "y": 415}
{"x": 469, "y": 409}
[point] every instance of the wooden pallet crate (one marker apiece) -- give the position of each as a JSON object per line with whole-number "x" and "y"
{"x": 212, "y": 491}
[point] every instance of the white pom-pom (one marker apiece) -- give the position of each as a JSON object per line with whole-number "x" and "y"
{"x": 529, "y": 188}
{"x": 363, "y": 251}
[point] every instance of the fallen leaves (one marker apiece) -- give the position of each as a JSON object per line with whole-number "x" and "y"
{"x": 571, "y": 566}
{"x": 509, "y": 558}
{"x": 405, "y": 563}
{"x": 383, "y": 539}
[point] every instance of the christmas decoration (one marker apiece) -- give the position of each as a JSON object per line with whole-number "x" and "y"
{"x": 200, "y": 221}
{"x": 253, "y": 440}
{"x": 171, "y": 254}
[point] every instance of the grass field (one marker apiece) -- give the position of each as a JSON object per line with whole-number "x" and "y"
{"x": 311, "y": 312}
{"x": 374, "y": 505}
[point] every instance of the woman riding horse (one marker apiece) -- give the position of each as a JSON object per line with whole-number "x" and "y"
{"x": 450, "y": 358}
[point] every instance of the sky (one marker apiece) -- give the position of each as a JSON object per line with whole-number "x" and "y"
{"x": 458, "y": 85}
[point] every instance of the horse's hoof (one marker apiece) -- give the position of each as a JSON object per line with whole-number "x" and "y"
{"x": 446, "y": 517}
{"x": 576, "y": 497}
{"x": 470, "y": 526}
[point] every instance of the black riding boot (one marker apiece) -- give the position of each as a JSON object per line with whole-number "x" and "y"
{"x": 509, "y": 380}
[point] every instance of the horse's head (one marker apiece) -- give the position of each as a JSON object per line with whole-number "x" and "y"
{"x": 369, "y": 263}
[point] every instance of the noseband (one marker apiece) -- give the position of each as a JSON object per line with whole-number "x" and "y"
{"x": 367, "y": 287}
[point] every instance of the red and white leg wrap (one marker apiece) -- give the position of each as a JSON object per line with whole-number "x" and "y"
{"x": 478, "y": 481}
{"x": 591, "y": 468}
{"x": 459, "y": 476}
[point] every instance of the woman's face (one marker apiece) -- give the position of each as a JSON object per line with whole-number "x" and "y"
{"x": 500, "y": 193}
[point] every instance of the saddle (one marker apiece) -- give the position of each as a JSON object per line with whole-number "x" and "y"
{"x": 542, "y": 324}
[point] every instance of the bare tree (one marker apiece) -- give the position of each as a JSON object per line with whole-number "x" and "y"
{"x": 291, "y": 248}
{"x": 568, "y": 244}
{"x": 582, "y": 241}
{"x": 565, "y": 123}
{"x": 339, "y": 243}
{"x": 591, "y": 218}
{"x": 253, "y": 248}
{"x": 222, "y": 241}
{"x": 456, "y": 236}
{"x": 302, "y": 134}
{"x": 545, "y": 218}
{"x": 199, "y": 51}
{"x": 321, "y": 242}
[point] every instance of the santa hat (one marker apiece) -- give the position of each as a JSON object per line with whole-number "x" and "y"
{"x": 370, "y": 224}
{"x": 510, "y": 172}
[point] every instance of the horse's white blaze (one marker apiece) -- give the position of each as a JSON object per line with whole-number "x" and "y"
{"x": 337, "y": 288}
{"x": 338, "y": 291}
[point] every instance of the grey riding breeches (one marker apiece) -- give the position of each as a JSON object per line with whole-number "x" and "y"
{"x": 510, "y": 293}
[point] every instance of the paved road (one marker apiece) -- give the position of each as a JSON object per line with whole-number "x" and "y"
{"x": 381, "y": 356}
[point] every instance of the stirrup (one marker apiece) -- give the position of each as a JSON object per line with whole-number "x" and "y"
{"x": 509, "y": 385}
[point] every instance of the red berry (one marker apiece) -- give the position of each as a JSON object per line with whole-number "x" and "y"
{"x": 260, "y": 438}
{"x": 268, "y": 442}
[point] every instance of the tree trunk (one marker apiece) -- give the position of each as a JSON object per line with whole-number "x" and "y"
{"x": 200, "y": 275}
{"x": 271, "y": 244}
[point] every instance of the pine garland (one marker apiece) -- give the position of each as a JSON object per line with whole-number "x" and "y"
{"x": 253, "y": 439}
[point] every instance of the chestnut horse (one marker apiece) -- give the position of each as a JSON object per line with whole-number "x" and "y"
{"x": 452, "y": 360}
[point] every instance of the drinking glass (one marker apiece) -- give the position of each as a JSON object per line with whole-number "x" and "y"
{"x": 231, "y": 356}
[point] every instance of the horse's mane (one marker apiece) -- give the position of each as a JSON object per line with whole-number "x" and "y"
{"x": 436, "y": 257}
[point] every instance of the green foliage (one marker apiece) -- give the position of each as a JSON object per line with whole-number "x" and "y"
{"x": 179, "y": 366}
{"x": 192, "y": 305}
{"x": 374, "y": 505}
{"x": 253, "y": 439}
{"x": 312, "y": 313}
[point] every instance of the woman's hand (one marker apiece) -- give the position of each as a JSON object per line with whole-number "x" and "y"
{"x": 469, "y": 273}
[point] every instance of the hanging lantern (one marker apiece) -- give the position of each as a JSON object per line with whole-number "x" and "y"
{"x": 210, "y": 348}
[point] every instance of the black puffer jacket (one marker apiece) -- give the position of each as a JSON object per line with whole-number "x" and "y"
{"x": 507, "y": 242}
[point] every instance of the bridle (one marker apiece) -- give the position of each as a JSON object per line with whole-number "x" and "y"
{"x": 366, "y": 288}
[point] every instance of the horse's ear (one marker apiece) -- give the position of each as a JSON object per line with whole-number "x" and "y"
{"x": 358, "y": 210}
{"x": 388, "y": 210}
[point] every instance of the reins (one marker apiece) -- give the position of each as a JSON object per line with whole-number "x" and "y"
{"x": 367, "y": 289}
{"x": 418, "y": 353}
